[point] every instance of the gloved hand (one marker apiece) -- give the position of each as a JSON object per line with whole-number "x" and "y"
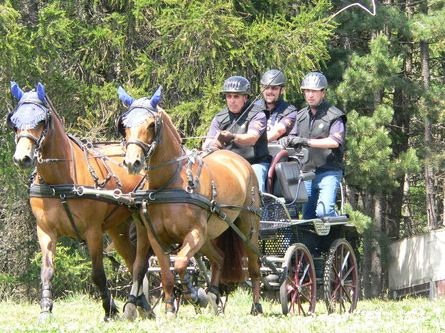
{"x": 293, "y": 141}
{"x": 225, "y": 137}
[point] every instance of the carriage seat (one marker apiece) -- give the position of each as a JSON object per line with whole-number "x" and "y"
{"x": 278, "y": 155}
{"x": 284, "y": 177}
{"x": 291, "y": 181}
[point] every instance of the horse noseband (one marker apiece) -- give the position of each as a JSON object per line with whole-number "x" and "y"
{"x": 147, "y": 148}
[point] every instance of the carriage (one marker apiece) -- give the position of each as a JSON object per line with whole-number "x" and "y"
{"x": 302, "y": 260}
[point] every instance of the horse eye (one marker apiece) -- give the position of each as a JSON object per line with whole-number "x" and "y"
{"x": 151, "y": 126}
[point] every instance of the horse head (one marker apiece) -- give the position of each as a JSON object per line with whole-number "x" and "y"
{"x": 30, "y": 121}
{"x": 140, "y": 127}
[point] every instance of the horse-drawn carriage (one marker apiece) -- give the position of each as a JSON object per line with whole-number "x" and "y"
{"x": 207, "y": 202}
{"x": 306, "y": 254}
{"x": 302, "y": 260}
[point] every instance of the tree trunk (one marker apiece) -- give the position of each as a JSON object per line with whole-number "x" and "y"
{"x": 372, "y": 264}
{"x": 431, "y": 205}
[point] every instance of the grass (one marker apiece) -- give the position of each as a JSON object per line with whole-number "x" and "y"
{"x": 82, "y": 314}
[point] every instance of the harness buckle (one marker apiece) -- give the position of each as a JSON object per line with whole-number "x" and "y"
{"x": 117, "y": 193}
{"x": 152, "y": 196}
{"x": 212, "y": 206}
{"x": 38, "y": 156}
{"x": 79, "y": 190}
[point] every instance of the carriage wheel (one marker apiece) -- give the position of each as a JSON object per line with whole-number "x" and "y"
{"x": 298, "y": 290}
{"x": 341, "y": 278}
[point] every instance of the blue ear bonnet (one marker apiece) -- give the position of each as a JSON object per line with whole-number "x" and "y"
{"x": 138, "y": 109}
{"x": 31, "y": 109}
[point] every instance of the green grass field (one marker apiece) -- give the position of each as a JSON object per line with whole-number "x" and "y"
{"x": 83, "y": 314}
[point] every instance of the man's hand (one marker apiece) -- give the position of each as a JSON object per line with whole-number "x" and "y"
{"x": 293, "y": 141}
{"x": 225, "y": 137}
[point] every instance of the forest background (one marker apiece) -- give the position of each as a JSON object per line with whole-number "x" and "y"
{"x": 386, "y": 71}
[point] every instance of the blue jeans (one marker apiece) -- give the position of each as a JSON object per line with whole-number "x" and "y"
{"x": 261, "y": 170}
{"x": 322, "y": 192}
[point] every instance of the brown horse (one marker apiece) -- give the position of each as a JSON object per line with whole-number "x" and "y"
{"x": 65, "y": 170}
{"x": 204, "y": 202}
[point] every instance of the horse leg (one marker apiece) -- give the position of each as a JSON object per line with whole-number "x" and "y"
{"x": 140, "y": 266}
{"x": 47, "y": 244}
{"x": 252, "y": 229}
{"x": 192, "y": 243}
{"x": 95, "y": 248}
{"x": 216, "y": 258}
{"x": 123, "y": 245}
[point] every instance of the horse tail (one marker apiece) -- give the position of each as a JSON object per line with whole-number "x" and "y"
{"x": 232, "y": 246}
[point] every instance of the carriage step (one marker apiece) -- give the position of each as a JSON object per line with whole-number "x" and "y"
{"x": 275, "y": 258}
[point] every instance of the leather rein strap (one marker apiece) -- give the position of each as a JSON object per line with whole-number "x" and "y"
{"x": 182, "y": 196}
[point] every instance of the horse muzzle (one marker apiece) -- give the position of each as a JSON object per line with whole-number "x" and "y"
{"x": 23, "y": 160}
{"x": 134, "y": 166}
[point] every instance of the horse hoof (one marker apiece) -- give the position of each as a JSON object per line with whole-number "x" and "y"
{"x": 146, "y": 314}
{"x": 130, "y": 312}
{"x": 256, "y": 309}
{"x": 170, "y": 315}
{"x": 45, "y": 316}
{"x": 111, "y": 317}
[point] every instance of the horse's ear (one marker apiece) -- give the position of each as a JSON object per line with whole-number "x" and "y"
{"x": 41, "y": 92}
{"x": 16, "y": 91}
{"x": 124, "y": 97}
{"x": 154, "y": 100}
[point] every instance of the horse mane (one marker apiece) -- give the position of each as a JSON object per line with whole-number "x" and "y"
{"x": 167, "y": 121}
{"x": 54, "y": 111}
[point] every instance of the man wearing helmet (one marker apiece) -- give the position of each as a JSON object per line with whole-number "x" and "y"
{"x": 240, "y": 129}
{"x": 280, "y": 114}
{"x": 321, "y": 127}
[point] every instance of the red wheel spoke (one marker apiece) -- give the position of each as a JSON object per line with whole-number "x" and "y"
{"x": 297, "y": 293}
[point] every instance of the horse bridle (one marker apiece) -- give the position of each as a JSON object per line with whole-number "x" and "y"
{"x": 37, "y": 141}
{"x": 147, "y": 148}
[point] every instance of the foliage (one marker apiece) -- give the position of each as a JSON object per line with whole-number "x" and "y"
{"x": 72, "y": 272}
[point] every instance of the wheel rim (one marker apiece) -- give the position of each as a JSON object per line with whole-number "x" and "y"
{"x": 152, "y": 288}
{"x": 298, "y": 291}
{"x": 341, "y": 278}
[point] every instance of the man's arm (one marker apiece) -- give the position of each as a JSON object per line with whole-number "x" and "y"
{"x": 248, "y": 139}
{"x": 334, "y": 140}
{"x": 276, "y": 132}
{"x": 257, "y": 126}
{"x": 323, "y": 143}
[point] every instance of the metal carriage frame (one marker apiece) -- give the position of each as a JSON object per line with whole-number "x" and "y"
{"x": 311, "y": 258}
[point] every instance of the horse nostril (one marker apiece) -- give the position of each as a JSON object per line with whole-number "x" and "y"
{"x": 137, "y": 165}
{"x": 25, "y": 161}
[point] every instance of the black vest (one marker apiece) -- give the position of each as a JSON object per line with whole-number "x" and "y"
{"x": 281, "y": 110}
{"x": 254, "y": 154}
{"x": 322, "y": 159}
